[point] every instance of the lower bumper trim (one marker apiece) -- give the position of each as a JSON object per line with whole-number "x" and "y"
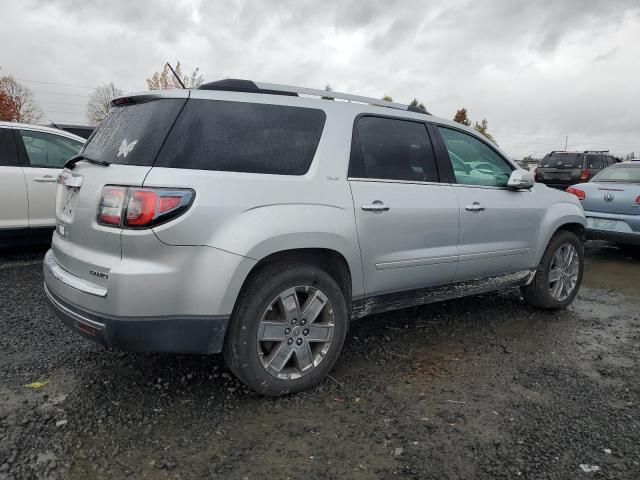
{"x": 176, "y": 334}
{"x": 620, "y": 237}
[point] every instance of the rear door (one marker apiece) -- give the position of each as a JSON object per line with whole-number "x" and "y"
{"x": 14, "y": 206}
{"x": 407, "y": 221}
{"x": 498, "y": 225}
{"x": 44, "y": 155}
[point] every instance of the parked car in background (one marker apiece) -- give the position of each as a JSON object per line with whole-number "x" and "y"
{"x": 560, "y": 169}
{"x": 31, "y": 157}
{"x": 244, "y": 218}
{"x": 83, "y": 131}
{"x": 611, "y": 202}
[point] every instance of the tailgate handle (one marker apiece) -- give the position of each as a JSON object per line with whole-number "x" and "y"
{"x": 46, "y": 179}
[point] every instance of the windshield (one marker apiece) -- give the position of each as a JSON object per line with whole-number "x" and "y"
{"x": 132, "y": 134}
{"x": 619, "y": 173}
{"x": 562, "y": 160}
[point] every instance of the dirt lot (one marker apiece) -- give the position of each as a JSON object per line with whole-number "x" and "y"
{"x": 484, "y": 387}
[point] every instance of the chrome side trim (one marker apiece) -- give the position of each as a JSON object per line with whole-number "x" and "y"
{"x": 494, "y": 254}
{"x": 70, "y": 313}
{"x": 71, "y": 280}
{"x": 416, "y": 263}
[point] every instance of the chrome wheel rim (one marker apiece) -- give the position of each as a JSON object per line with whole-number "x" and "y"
{"x": 563, "y": 274}
{"x": 295, "y": 332}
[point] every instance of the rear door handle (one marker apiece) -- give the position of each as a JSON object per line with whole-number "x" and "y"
{"x": 46, "y": 179}
{"x": 376, "y": 206}
{"x": 474, "y": 207}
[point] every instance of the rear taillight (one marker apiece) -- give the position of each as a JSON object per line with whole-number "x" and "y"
{"x": 638, "y": 200}
{"x": 130, "y": 207}
{"x": 577, "y": 192}
{"x": 584, "y": 175}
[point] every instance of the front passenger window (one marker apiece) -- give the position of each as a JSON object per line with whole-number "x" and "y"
{"x": 474, "y": 162}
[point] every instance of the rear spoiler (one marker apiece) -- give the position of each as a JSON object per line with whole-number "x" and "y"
{"x": 140, "y": 97}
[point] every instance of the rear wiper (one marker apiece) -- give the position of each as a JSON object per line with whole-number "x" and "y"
{"x": 71, "y": 163}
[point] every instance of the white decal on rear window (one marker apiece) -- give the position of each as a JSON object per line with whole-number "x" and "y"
{"x": 125, "y": 147}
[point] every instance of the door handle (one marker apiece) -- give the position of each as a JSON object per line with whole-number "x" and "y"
{"x": 376, "y": 206}
{"x": 474, "y": 207}
{"x": 46, "y": 179}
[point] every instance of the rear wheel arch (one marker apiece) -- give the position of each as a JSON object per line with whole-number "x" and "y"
{"x": 331, "y": 261}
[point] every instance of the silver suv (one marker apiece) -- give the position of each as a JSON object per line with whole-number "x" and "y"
{"x": 256, "y": 220}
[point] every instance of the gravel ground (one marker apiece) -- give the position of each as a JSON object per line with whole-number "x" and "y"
{"x": 484, "y": 387}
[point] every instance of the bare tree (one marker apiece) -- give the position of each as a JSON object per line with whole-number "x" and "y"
{"x": 165, "y": 79}
{"x": 99, "y": 102}
{"x": 18, "y": 101}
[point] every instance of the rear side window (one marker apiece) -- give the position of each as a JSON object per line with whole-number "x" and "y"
{"x": 8, "y": 155}
{"x": 243, "y": 137}
{"x": 48, "y": 150}
{"x": 594, "y": 162}
{"x": 562, "y": 160}
{"x": 132, "y": 134}
{"x": 393, "y": 149}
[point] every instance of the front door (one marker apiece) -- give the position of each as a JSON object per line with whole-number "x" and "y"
{"x": 498, "y": 225}
{"x": 44, "y": 157}
{"x": 407, "y": 222}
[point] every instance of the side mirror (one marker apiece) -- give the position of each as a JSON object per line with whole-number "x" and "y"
{"x": 521, "y": 179}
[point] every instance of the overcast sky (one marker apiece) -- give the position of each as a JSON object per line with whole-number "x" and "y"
{"x": 536, "y": 70}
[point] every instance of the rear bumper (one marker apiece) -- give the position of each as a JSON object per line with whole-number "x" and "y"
{"x": 628, "y": 238}
{"x": 151, "y": 309}
{"x": 629, "y": 222}
{"x": 149, "y": 334}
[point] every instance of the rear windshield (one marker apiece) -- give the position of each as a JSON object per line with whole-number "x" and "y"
{"x": 619, "y": 173}
{"x": 562, "y": 160}
{"x": 132, "y": 134}
{"x": 243, "y": 137}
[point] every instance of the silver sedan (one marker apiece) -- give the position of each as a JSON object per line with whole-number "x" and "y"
{"x": 611, "y": 202}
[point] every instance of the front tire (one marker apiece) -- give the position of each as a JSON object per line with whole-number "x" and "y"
{"x": 287, "y": 329}
{"x": 559, "y": 274}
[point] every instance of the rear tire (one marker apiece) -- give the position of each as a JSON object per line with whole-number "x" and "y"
{"x": 287, "y": 329}
{"x": 543, "y": 291}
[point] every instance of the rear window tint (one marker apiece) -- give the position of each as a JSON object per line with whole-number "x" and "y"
{"x": 594, "y": 162}
{"x": 8, "y": 154}
{"x": 132, "y": 134}
{"x": 562, "y": 160}
{"x": 243, "y": 137}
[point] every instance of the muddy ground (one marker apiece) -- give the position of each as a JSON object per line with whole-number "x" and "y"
{"x": 484, "y": 387}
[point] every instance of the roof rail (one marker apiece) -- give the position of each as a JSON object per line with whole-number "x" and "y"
{"x": 236, "y": 85}
{"x": 596, "y": 151}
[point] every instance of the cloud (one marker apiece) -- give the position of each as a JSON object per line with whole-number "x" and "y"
{"x": 536, "y": 70}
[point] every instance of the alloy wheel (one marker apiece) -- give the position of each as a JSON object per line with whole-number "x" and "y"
{"x": 564, "y": 271}
{"x": 295, "y": 332}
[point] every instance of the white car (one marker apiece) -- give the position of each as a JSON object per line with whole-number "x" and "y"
{"x": 31, "y": 157}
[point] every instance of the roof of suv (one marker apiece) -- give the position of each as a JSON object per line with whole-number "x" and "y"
{"x": 41, "y": 128}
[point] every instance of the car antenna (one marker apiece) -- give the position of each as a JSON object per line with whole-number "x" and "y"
{"x": 175, "y": 75}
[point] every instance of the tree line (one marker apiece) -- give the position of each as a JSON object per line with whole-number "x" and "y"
{"x": 17, "y": 103}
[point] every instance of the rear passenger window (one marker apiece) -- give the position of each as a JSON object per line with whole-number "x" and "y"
{"x": 8, "y": 156}
{"x": 594, "y": 162}
{"x": 48, "y": 150}
{"x": 243, "y": 137}
{"x": 394, "y": 150}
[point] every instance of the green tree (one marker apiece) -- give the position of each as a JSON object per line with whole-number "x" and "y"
{"x": 388, "y": 98}
{"x": 417, "y": 103}
{"x": 482, "y": 127}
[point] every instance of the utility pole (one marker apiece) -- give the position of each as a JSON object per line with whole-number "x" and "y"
{"x": 566, "y": 141}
